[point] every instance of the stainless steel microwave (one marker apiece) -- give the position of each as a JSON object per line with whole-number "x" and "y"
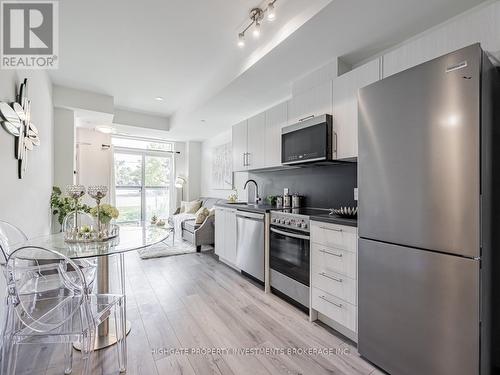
{"x": 309, "y": 141}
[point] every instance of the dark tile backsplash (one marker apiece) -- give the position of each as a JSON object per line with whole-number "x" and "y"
{"x": 323, "y": 186}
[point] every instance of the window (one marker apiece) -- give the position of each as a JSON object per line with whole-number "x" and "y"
{"x": 143, "y": 179}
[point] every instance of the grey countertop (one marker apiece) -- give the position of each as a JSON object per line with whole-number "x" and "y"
{"x": 259, "y": 208}
{"x": 263, "y": 208}
{"x": 335, "y": 220}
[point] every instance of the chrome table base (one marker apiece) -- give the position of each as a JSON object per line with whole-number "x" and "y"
{"x": 102, "y": 342}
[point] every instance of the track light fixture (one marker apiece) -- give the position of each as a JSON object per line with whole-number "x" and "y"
{"x": 256, "y": 29}
{"x": 241, "y": 40}
{"x": 256, "y": 17}
{"x": 271, "y": 14}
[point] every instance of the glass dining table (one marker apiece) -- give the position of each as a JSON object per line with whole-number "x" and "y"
{"x": 131, "y": 237}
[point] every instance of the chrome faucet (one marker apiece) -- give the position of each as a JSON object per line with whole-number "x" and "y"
{"x": 257, "y": 198}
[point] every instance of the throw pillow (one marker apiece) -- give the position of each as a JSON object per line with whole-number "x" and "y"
{"x": 211, "y": 212}
{"x": 201, "y": 215}
{"x": 192, "y": 207}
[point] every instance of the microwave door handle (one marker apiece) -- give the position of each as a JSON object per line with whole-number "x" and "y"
{"x": 306, "y": 118}
{"x": 288, "y": 234}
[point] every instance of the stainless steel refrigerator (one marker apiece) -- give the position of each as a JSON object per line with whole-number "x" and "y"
{"x": 426, "y": 211}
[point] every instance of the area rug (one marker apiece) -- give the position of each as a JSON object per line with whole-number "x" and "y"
{"x": 165, "y": 249}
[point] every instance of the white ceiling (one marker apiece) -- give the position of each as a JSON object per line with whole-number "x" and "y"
{"x": 185, "y": 51}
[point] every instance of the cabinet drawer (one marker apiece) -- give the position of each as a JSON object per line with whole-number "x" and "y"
{"x": 334, "y": 308}
{"x": 336, "y": 284}
{"x": 332, "y": 235}
{"x": 333, "y": 260}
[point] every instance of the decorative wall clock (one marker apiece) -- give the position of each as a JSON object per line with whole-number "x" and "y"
{"x": 16, "y": 120}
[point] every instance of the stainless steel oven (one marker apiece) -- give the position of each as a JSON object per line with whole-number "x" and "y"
{"x": 290, "y": 260}
{"x": 310, "y": 140}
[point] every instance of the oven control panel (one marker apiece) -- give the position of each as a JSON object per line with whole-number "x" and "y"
{"x": 292, "y": 221}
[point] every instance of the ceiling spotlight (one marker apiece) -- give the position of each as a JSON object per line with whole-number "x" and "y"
{"x": 271, "y": 13}
{"x": 256, "y": 29}
{"x": 159, "y": 99}
{"x": 241, "y": 40}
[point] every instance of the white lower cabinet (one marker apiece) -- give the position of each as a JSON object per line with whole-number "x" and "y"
{"x": 338, "y": 310}
{"x": 225, "y": 234}
{"x": 334, "y": 277}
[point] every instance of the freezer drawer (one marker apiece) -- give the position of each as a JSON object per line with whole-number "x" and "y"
{"x": 418, "y": 310}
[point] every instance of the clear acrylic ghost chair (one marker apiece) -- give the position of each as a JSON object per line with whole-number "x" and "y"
{"x": 10, "y": 235}
{"x": 88, "y": 265}
{"x": 51, "y": 303}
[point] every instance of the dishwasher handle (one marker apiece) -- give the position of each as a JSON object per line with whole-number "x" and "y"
{"x": 250, "y": 215}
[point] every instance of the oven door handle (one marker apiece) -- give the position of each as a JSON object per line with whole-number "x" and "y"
{"x": 288, "y": 234}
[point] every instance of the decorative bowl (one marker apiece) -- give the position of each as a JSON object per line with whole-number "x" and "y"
{"x": 88, "y": 236}
{"x": 347, "y": 212}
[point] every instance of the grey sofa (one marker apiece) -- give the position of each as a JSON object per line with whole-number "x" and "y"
{"x": 204, "y": 233}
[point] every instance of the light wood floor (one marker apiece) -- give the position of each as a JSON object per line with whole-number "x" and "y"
{"x": 193, "y": 301}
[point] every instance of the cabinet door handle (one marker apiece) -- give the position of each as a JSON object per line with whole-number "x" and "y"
{"x": 332, "y": 229}
{"x": 331, "y": 277}
{"x": 339, "y": 305}
{"x": 248, "y": 159}
{"x": 244, "y": 159}
{"x": 306, "y": 118}
{"x": 334, "y": 254}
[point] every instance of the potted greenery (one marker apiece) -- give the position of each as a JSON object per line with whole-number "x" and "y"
{"x": 106, "y": 213}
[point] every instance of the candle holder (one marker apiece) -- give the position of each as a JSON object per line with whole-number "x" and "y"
{"x": 75, "y": 192}
{"x": 98, "y": 192}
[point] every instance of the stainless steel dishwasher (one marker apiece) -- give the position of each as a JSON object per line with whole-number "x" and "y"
{"x": 250, "y": 244}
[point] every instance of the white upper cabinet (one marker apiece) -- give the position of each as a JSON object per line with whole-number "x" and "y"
{"x": 313, "y": 102}
{"x": 276, "y": 118}
{"x": 479, "y": 25}
{"x": 345, "y": 106}
{"x": 256, "y": 145}
{"x": 239, "y": 145}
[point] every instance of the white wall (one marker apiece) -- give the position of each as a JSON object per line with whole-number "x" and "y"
{"x": 141, "y": 120}
{"x": 93, "y": 161}
{"x": 69, "y": 98}
{"x": 64, "y": 147}
{"x": 26, "y": 202}
{"x": 207, "y": 152}
{"x": 193, "y": 155}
